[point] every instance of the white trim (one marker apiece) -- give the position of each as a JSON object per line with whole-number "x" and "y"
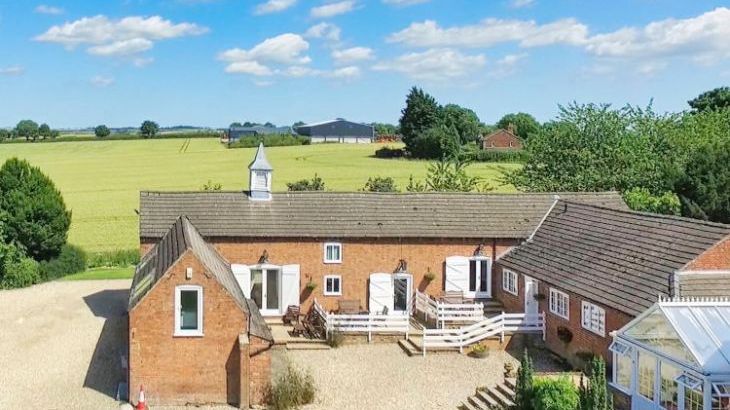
{"x": 704, "y": 272}
{"x": 178, "y": 332}
{"x": 324, "y": 248}
{"x": 339, "y": 285}
{"x": 589, "y": 325}
{"x": 556, "y": 292}
{"x": 505, "y": 283}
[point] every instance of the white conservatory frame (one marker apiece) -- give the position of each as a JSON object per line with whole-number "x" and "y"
{"x": 702, "y": 328}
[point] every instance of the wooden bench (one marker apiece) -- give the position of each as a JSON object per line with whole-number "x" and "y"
{"x": 349, "y": 307}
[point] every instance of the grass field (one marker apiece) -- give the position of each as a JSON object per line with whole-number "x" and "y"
{"x": 102, "y": 274}
{"x": 101, "y": 180}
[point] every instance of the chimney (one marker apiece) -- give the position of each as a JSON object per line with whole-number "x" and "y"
{"x": 512, "y": 129}
{"x": 260, "y": 176}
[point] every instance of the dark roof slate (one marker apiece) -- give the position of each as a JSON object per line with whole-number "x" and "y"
{"x": 180, "y": 237}
{"x": 619, "y": 258}
{"x": 356, "y": 215}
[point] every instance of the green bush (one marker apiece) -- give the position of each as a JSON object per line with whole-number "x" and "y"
{"x": 524, "y": 385}
{"x": 388, "y": 152}
{"x": 554, "y": 394}
{"x": 114, "y": 259}
{"x": 118, "y": 137}
{"x": 16, "y": 269}
{"x": 380, "y": 184}
{"x": 275, "y": 140}
{"x": 481, "y": 155}
{"x": 72, "y": 259}
{"x": 292, "y": 389}
{"x": 640, "y": 199}
{"x": 315, "y": 184}
{"x": 335, "y": 339}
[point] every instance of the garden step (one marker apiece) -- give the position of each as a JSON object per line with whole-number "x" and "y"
{"x": 510, "y": 382}
{"x": 479, "y": 402}
{"x": 469, "y": 406}
{"x": 409, "y": 347}
{"x": 500, "y": 397}
{"x": 506, "y": 390}
{"x": 487, "y": 399}
{"x": 308, "y": 346}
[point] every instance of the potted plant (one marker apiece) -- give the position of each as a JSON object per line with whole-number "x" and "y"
{"x": 429, "y": 276}
{"x": 479, "y": 351}
{"x": 311, "y": 285}
{"x": 509, "y": 370}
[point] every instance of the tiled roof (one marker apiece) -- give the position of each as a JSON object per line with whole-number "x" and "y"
{"x": 355, "y": 215}
{"x": 180, "y": 237}
{"x": 622, "y": 259}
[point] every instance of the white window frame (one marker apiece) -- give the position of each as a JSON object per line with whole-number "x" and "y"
{"x": 328, "y": 244}
{"x": 587, "y": 322}
{"x": 554, "y": 294}
{"x": 188, "y": 332}
{"x": 339, "y": 285}
{"x": 505, "y": 281}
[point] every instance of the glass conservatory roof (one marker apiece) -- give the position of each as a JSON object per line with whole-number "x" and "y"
{"x": 694, "y": 332}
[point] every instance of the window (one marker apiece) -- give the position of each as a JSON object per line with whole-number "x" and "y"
{"x": 559, "y": 303}
{"x": 188, "y": 311}
{"x": 593, "y": 318}
{"x": 333, "y": 285}
{"x": 332, "y": 252}
{"x": 647, "y": 369}
{"x": 669, "y": 389}
{"x": 622, "y": 365}
{"x": 509, "y": 281}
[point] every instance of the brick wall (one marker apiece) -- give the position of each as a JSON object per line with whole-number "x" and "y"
{"x": 360, "y": 258}
{"x": 180, "y": 370}
{"x": 501, "y": 140}
{"x": 583, "y": 340}
{"x": 715, "y": 258}
{"x": 260, "y": 369}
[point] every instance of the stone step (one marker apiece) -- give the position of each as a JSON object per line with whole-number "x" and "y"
{"x": 500, "y": 397}
{"x": 409, "y": 347}
{"x": 467, "y": 405}
{"x": 477, "y": 402}
{"x": 510, "y": 382}
{"x": 483, "y": 396}
{"x": 506, "y": 390}
{"x": 308, "y": 346}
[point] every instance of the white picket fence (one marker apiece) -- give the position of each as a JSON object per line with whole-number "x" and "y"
{"x": 364, "y": 323}
{"x": 494, "y": 326}
{"x": 448, "y": 312}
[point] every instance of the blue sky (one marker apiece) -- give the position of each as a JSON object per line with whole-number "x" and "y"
{"x": 210, "y": 62}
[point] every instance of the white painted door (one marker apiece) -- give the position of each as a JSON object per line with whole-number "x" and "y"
{"x": 457, "y": 275}
{"x": 265, "y": 288}
{"x": 403, "y": 291}
{"x": 242, "y": 273}
{"x": 531, "y": 289}
{"x": 381, "y": 293}
{"x": 289, "y": 286}
{"x": 480, "y": 278}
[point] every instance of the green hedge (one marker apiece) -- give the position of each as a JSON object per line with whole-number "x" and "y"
{"x": 16, "y": 269}
{"x": 114, "y": 259}
{"x": 117, "y": 137}
{"x": 72, "y": 259}
{"x": 277, "y": 140}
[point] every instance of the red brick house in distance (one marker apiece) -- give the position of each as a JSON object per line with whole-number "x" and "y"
{"x": 502, "y": 140}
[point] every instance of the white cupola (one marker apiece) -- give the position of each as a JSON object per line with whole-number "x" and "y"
{"x": 260, "y": 176}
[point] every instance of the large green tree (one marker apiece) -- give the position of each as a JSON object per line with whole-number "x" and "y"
{"x": 149, "y": 129}
{"x": 523, "y": 123}
{"x": 44, "y": 131}
{"x": 711, "y": 100}
{"x": 102, "y": 131}
{"x": 421, "y": 113}
{"x": 27, "y": 129}
{"x": 32, "y": 211}
{"x": 705, "y": 187}
{"x": 464, "y": 120}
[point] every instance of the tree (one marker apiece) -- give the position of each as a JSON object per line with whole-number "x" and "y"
{"x": 595, "y": 395}
{"x": 640, "y": 199}
{"x": 524, "y": 383}
{"x": 298, "y": 124}
{"x": 315, "y": 184}
{"x": 380, "y": 184}
{"x": 705, "y": 187}
{"x": 102, "y": 131}
{"x": 463, "y": 120}
{"x": 16, "y": 269}
{"x": 523, "y": 123}
{"x": 4, "y": 134}
{"x": 27, "y": 129}
{"x": 32, "y": 211}
{"x": 718, "y": 98}
{"x": 235, "y": 125}
{"x": 421, "y": 113}
{"x": 385, "y": 129}
{"x": 149, "y": 129}
{"x": 44, "y": 131}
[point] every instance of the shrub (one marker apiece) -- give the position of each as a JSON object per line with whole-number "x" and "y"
{"x": 480, "y": 351}
{"x": 274, "y": 140}
{"x": 388, "y": 152}
{"x": 640, "y": 199}
{"x": 595, "y": 395}
{"x": 72, "y": 259}
{"x": 524, "y": 383}
{"x": 212, "y": 186}
{"x": 554, "y": 394}
{"x": 335, "y": 339}
{"x": 380, "y": 184}
{"x": 113, "y": 259}
{"x": 481, "y": 155}
{"x": 315, "y": 184}
{"x": 16, "y": 269}
{"x": 292, "y": 389}
{"x": 32, "y": 210}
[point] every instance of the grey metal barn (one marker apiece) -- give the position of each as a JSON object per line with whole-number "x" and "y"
{"x": 338, "y": 130}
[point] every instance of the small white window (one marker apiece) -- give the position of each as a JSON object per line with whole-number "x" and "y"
{"x": 261, "y": 181}
{"x": 559, "y": 303}
{"x": 593, "y": 318}
{"x": 333, "y": 285}
{"x": 188, "y": 310}
{"x": 509, "y": 281}
{"x": 332, "y": 252}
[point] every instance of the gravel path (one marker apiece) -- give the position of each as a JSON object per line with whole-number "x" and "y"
{"x": 382, "y": 376}
{"x": 59, "y": 345}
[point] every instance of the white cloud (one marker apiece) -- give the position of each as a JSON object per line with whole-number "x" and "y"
{"x": 263, "y": 83}
{"x": 345, "y": 73}
{"x": 248, "y": 67}
{"x": 507, "y": 65}
{"x": 12, "y": 70}
{"x": 403, "y": 3}
{"x": 274, "y": 6}
{"x": 44, "y": 9}
{"x": 101, "y": 81}
{"x": 351, "y": 55}
{"x": 436, "y": 64}
{"x": 124, "y": 37}
{"x": 326, "y": 31}
{"x": 284, "y": 49}
{"x": 142, "y": 61}
{"x": 333, "y": 9}
{"x": 518, "y": 4}
{"x": 490, "y": 32}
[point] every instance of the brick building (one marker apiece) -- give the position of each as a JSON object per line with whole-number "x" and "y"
{"x": 502, "y": 140}
{"x": 193, "y": 336}
{"x": 594, "y": 269}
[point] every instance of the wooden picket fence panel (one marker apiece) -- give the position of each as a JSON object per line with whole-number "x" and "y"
{"x": 448, "y": 312}
{"x": 364, "y": 323}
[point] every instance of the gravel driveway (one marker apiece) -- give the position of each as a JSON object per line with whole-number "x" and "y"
{"x": 60, "y": 345}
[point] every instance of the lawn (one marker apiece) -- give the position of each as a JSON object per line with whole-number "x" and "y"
{"x": 101, "y": 180}
{"x": 102, "y": 273}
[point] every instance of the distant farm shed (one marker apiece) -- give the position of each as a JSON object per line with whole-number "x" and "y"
{"x": 338, "y": 130}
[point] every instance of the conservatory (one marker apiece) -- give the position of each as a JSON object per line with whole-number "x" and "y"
{"x": 676, "y": 355}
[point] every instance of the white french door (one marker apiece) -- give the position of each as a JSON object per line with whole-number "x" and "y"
{"x": 266, "y": 290}
{"x": 531, "y": 290}
{"x": 480, "y": 278}
{"x": 402, "y": 291}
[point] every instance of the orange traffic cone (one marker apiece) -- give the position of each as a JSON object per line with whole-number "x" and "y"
{"x": 141, "y": 405}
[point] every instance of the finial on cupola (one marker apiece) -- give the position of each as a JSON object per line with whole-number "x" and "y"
{"x": 260, "y": 176}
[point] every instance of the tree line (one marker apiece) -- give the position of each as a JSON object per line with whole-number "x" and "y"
{"x": 30, "y": 131}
